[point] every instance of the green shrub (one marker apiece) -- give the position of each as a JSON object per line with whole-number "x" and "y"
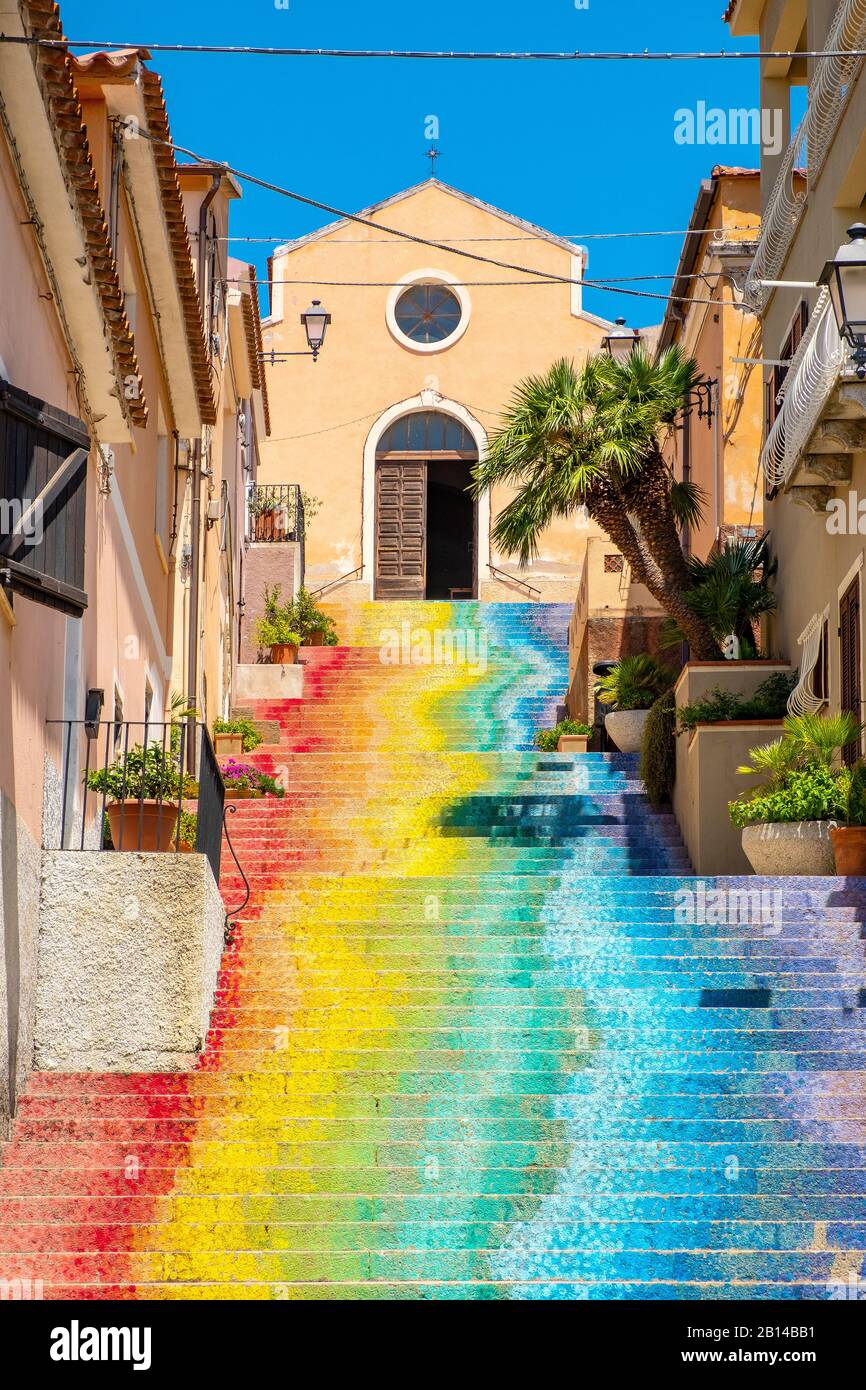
{"x": 252, "y": 737}
{"x": 807, "y": 793}
{"x": 770, "y": 701}
{"x": 801, "y": 780}
{"x": 547, "y": 739}
{"x": 309, "y": 620}
{"x": 151, "y": 775}
{"x": 635, "y": 682}
{"x": 188, "y": 828}
{"x": 658, "y": 759}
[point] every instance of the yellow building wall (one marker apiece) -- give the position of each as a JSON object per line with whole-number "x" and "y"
{"x": 323, "y": 413}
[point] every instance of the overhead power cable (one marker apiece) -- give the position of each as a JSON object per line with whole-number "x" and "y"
{"x": 416, "y": 240}
{"x": 468, "y": 240}
{"x": 453, "y": 55}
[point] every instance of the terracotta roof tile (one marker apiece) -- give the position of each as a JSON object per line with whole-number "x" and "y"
{"x": 253, "y": 328}
{"x": 175, "y": 217}
{"x": 55, "y": 72}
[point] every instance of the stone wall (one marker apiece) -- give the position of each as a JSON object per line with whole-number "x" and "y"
{"x": 129, "y": 950}
{"x": 264, "y": 566}
{"x": 609, "y": 639}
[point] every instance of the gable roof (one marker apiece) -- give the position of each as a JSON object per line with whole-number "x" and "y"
{"x": 369, "y": 212}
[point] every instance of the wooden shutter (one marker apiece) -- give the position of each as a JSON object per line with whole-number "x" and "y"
{"x": 849, "y": 652}
{"x": 401, "y": 519}
{"x": 40, "y": 443}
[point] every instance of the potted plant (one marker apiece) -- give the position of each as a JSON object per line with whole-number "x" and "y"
{"x": 315, "y": 627}
{"x": 264, "y": 509}
{"x": 849, "y": 837}
{"x": 632, "y": 688}
{"x": 233, "y": 737}
{"x": 276, "y": 629}
{"x": 567, "y": 737}
{"x": 244, "y": 781}
{"x": 787, "y": 822}
{"x": 143, "y": 792}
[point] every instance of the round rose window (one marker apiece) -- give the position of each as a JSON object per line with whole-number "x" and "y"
{"x": 428, "y": 313}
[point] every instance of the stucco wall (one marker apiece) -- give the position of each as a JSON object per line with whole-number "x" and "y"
{"x": 129, "y": 950}
{"x": 19, "y": 925}
{"x": 707, "y": 762}
{"x": 325, "y": 414}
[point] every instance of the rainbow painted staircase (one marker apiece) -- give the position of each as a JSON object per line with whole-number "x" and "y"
{"x": 470, "y": 1041}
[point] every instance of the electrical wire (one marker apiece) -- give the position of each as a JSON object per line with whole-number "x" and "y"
{"x": 416, "y": 240}
{"x": 466, "y": 240}
{"x": 592, "y": 284}
{"x": 460, "y": 55}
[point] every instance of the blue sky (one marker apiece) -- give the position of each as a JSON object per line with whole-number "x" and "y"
{"x": 575, "y": 147}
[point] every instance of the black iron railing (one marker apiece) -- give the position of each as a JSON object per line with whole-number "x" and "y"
{"x": 275, "y": 513}
{"x": 140, "y": 786}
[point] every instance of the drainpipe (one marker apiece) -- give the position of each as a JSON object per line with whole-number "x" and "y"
{"x": 195, "y": 512}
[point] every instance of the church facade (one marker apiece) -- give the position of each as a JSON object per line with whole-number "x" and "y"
{"x": 423, "y": 352}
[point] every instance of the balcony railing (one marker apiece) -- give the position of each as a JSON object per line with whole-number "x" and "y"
{"x": 815, "y": 369}
{"x": 140, "y": 787}
{"x": 828, "y": 97}
{"x": 275, "y": 513}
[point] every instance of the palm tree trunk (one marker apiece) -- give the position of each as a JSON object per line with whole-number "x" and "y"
{"x": 608, "y": 508}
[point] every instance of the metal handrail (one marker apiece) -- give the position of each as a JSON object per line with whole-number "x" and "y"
{"x": 513, "y": 579}
{"x": 333, "y": 583}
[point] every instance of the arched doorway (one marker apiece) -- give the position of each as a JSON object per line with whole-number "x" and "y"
{"x": 425, "y": 524}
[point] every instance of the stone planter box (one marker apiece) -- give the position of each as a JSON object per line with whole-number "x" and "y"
{"x": 228, "y": 745}
{"x": 572, "y": 743}
{"x": 798, "y": 848}
{"x": 625, "y": 727}
{"x": 707, "y": 762}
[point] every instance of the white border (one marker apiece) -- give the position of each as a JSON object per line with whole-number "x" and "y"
{"x": 425, "y": 400}
{"x": 428, "y": 277}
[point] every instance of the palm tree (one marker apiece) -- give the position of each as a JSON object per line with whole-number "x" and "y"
{"x": 593, "y": 439}
{"x": 730, "y": 591}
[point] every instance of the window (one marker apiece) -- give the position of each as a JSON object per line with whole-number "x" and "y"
{"x": 613, "y": 564}
{"x": 428, "y": 313}
{"x": 849, "y": 660}
{"x": 774, "y": 385}
{"x": 43, "y": 480}
{"x": 427, "y": 432}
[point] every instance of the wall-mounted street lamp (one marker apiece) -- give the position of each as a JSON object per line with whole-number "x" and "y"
{"x": 845, "y": 278}
{"x": 315, "y": 321}
{"x": 621, "y": 341}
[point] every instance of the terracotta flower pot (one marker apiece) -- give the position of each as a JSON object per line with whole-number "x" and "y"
{"x": 142, "y": 825}
{"x": 849, "y": 850}
{"x": 283, "y": 655}
{"x": 228, "y": 745}
{"x": 242, "y": 793}
{"x": 315, "y": 639}
{"x": 572, "y": 743}
{"x": 266, "y": 525}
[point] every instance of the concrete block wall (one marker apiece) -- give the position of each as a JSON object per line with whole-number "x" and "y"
{"x": 128, "y": 956}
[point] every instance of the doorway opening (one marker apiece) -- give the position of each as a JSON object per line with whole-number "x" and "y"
{"x": 426, "y": 519}
{"x": 450, "y": 532}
